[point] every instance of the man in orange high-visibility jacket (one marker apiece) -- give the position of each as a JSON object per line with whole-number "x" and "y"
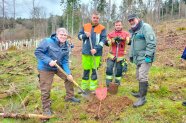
{"x": 97, "y": 33}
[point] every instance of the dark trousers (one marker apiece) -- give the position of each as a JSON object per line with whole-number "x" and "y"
{"x": 46, "y": 79}
{"x": 110, "y": 70}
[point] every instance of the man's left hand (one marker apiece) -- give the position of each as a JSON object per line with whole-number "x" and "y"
{"x": 148, "y": 59}
{"x": 93, "y": 51}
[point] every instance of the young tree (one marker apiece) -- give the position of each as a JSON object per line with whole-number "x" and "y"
{"x": 113, "y": 12}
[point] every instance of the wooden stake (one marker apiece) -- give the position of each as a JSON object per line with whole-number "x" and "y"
{"x": 24, "y": 116}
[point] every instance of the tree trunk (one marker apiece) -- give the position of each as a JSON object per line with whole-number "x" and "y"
{"x": 180, "y": 8}
{"x": 3, "y": 37}
{"x": 67, "y": 23}
{"x": 72, "y": 29}
{"x": 172, "y": 10}
{"x": 159, "y": 12}
{"x": 162, "y": 13}
{"x": 34, "y": 19}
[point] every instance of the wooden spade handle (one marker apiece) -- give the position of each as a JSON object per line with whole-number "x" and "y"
{"x": 74, "y": 82}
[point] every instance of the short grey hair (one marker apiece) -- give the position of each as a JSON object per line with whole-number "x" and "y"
{"x": 95, "y": 13}
{"x": 61, "y": 30}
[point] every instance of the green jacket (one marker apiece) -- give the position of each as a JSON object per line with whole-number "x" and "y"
{"x": 143, "y": 43}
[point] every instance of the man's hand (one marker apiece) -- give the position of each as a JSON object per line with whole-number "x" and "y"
{"x": 127, "y": 40}
{"x": 125, "y": 52}
{"x": 52, "y": 63}
{"x": 131, "y": 59}
{"x": 118, "y": 39}
{"x": 87, "y": 34}
{"x": 93, "y": 51}
{"x": 70, "y": 78}
{"x": 148, "y": 59}
{"x": 112, "y": 40}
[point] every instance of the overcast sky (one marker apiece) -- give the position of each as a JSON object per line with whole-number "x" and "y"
{"x": 24, "y": 7}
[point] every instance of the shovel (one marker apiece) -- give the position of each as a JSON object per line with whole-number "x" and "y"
{"x": 113, "y": 87}
{"x": 74, "y": 82}
{"x": 101, "y": 92}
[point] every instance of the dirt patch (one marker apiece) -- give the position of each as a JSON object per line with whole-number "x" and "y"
{"x": 112, "y": 105}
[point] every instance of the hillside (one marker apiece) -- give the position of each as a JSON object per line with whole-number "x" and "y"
{"x": 20, "y": 88}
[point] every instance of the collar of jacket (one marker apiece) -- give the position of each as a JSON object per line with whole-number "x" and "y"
{"x": 137, "y": 27}
{"x": 53, "y": 37}
{"x": 118, "y": 31}
{"x": 97, "y": 29}
{"x": 94, "y": 24}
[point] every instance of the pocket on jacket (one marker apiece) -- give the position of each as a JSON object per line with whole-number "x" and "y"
{"x": 140, "y": 55}
{"x": 53, "y": 52}
{"x": 139, "y": 44}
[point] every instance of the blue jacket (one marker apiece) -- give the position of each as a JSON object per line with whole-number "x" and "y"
{"x": 50, "y": 49}
{"x": 98, "y": 41}
{"x": 184, "y": 54}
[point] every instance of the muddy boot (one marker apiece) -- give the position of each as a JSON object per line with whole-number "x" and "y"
{"x": 136, "y": 94}
{"x": 46, "y": 102}
{"x": 143, "y": 91}
{"x": 184, "y": 103}
{"x": 47, "y": 112}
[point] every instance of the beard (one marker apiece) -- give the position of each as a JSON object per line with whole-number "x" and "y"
{"x": 134, "y": 25}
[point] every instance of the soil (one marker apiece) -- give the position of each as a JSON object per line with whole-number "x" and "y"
{"x": 112, "y": 105}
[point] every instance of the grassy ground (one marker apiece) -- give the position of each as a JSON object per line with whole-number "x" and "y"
{"x": 167, "y": 90}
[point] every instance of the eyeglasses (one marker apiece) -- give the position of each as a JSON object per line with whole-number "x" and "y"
{"x": 131, "y": 20}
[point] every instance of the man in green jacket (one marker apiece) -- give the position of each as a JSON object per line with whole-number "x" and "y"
{"x": 142, "y": 51}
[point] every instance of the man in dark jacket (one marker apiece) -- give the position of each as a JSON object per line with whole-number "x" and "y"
{"x": 52, "y": 50}
{"x": 142, "y": 51}
{"x": 97, "y": 33}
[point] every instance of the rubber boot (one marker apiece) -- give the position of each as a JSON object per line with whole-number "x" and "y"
{"x": 143, "y": 86}
{"x": 136, "y": 94}
{"x": 184, "y": 103}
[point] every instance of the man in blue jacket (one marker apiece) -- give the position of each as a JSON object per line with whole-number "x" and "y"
{"x": 142, "y": 51}
{"x": 52, "y": 50}
{"x": 97, "y": 33}
{"x": 184, "y": 58}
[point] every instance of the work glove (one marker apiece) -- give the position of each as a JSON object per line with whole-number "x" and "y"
{"x": 118, "y": 39}
{"x": 148, "y": 59}
{"x": 131, "y": 59}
